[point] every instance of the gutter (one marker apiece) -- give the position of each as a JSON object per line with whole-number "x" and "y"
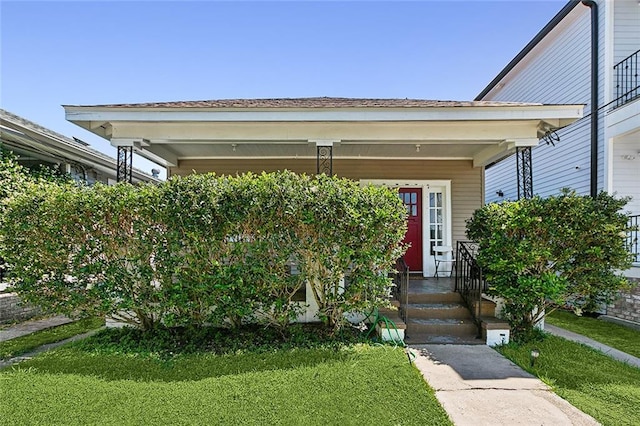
{"x": 594, "y": 95}
{"x": 529, "y": 47}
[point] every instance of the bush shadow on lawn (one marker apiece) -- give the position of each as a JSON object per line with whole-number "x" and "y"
{"x": 182, "y": 355}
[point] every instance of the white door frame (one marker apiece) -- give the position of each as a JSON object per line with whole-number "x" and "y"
{"x": 427, "y": 186}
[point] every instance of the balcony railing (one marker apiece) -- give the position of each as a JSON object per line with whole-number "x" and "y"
{"x": 627, "y": 80}
{"x": 632, "y": 238}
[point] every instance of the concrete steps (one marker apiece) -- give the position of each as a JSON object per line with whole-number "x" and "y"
{"x": 442, "y": 327}
{"x": 438, "y": 315}
{"x": 393, "y": 315}
{"x": 440, "y": 297}
{"x": 487, "y": 308}
{"x": 438, "y": 310}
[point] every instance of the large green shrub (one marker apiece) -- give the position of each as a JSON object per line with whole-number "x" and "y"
{"x": 350, "y": 238}
{"x": 15, "y": 179}
{"x": 228, "y": 246}
{"x": 564, "y": 249}
{"x": 205, "y": 249}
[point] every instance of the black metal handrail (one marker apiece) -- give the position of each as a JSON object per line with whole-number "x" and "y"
{"x": 470, "y": 281}
{"x": 632, "y": 237}
{"x": 401, "y": 289}
{"x": 627, "y": 79}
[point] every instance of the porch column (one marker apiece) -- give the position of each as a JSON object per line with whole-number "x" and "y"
{"x": 324, "y": 156}
{"x": 125, "y": 164}
{"x": 524, "y": 171}
{"x": 124, "y": 159}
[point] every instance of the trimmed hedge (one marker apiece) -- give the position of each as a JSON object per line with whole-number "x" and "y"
{"x": 205, "y": 249}
{"x": 560, "y": 250}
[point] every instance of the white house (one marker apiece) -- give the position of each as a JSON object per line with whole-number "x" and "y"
{"x": 435, "y": 151}
{"x": 556, "y": 67}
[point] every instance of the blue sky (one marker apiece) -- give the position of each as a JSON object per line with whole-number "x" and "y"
{"x": 91, "y": 52}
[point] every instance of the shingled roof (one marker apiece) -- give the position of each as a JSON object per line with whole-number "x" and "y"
{"x": 317, "y": 102}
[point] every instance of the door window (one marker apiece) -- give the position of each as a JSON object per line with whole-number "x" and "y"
{"x": 436, "y": 220}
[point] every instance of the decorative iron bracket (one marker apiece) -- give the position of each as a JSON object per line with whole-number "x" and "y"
{"x": 324, "y": 161}
{"x": 125, "y": 164}
{"x": 524, "y": 171}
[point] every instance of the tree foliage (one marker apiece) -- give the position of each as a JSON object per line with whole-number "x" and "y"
{"x": 560, "y": 250}
{"x": 205, "y": 249}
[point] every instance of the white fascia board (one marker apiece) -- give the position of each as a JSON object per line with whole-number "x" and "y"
{"x": 624, "y": 119}
{"x": 161, "y": 132}
{"x": 519, "y": 143}
{"x": 313, "y": 157}
{"x": 467, "y": 113}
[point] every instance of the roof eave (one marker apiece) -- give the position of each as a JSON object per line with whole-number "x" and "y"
{"x": 92, "y": 117}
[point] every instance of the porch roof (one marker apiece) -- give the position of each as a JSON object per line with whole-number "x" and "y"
{"x": 166, "y": 132}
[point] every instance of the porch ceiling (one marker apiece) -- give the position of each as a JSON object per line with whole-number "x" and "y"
{"x": 166, "y": 133}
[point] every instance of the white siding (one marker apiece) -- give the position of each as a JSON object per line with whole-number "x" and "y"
{"x": 626, "y": 171}
{"x": 501, "y": 177}
{"x": 626, "y": 29}
{"x": 557, "y": 70}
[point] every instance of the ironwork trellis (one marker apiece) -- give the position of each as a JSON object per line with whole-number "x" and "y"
{"x": 524, "y": 171}
{"x": 125, "y": 164}
{"x": 324, "y": 161}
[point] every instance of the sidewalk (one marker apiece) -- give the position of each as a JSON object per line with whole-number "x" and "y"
{"x": 28, "y": 327}
{"x": 478, "y": 386}
{"x": 579, "y": 338}
{"x": 44, "y": 348}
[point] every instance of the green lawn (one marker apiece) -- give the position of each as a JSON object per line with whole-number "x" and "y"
{"x": 617, "y": 336}
{"x": 606, "y": 389}
{"x": 352, "y": 385}
{"x": 20, "y": 345}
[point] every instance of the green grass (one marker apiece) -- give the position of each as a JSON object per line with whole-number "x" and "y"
{"x": 352, "y": 385}
{"x": 20, "y": 345}
{"x": 617, "y": 336}
{"x": 604, "y": 388}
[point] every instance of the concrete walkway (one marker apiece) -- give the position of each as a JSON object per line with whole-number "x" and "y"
{"x": 478, "y": 386}
{"x": 47, "y": 347}
{"x": 28, "y": 327}
{"x": 607, "y": 350}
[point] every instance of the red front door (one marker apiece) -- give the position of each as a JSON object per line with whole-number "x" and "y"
{"x": 412, "y": 199}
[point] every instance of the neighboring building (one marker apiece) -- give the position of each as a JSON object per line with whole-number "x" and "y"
{"x": 555, "y": 67}
{"x": 35, "y": 145}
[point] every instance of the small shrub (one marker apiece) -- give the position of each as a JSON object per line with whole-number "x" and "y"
{"x": 560, "y": 250}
